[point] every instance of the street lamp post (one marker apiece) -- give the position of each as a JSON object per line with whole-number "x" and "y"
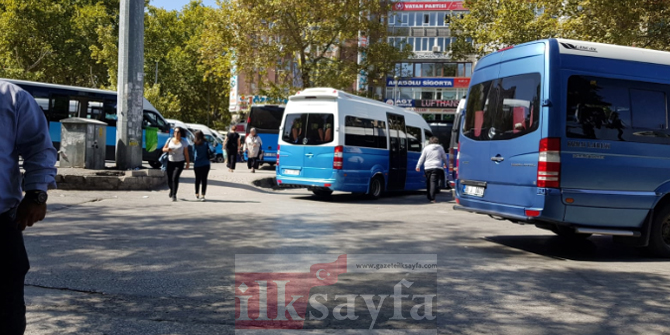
{"x": 395, "y": 98}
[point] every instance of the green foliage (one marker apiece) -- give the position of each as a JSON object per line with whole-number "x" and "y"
{"x": 303, "y": 43}
{"x": 494, "y": 24}
{"x": 75, "y": 42}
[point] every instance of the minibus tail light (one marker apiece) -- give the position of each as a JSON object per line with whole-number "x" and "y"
{"x": 277, "y": 164}
{"x": 458, "y": 158}
{"x": 549, "y": 163}
{"x": 338, "y": 158}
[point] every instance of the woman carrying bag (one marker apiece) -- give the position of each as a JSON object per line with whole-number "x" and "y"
{"x": 254, "y": 147}
{"x": 177, "y": 149}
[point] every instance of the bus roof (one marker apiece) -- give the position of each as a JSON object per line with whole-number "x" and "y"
{"x": 602, "y": 50}
{"x": 331, "y": 93}
{"x": 590, "y": 49}
{"x": 147, "y": 105}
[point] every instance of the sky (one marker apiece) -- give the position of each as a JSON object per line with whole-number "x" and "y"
{"x": 178, "y": 4}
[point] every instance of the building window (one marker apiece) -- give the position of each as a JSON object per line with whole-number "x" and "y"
{"x": 461, "y": 70}
{"x": 426, "y": 19}
{"x": 392, "y": 19}
{"x": 405, "y": 20}
{"x": 417, "y": 69}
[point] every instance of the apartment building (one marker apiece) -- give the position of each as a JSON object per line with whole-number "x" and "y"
{"x": 429, "y": 82}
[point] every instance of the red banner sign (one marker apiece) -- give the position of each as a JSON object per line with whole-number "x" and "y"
{"x": 427, "y": 6}
{"x": 461, "y": 82}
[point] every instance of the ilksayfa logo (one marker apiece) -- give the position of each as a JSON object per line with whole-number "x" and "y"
{"x": 330, "y": 291}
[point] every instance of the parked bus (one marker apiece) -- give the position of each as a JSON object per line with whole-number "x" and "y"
{"x": 452, "y": 173}
{"x": 573, "y": 137}
{"x": 61, "y": 102}
{"x": 334, "y": 141}
{"x": 266, "y": 119}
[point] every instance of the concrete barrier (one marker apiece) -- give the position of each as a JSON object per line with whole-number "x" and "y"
{"x": 81, "y": 179}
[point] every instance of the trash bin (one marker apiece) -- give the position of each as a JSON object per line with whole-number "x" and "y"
{"x": 83, "y": 143}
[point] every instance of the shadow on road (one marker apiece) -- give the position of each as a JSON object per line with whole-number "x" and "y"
{"x": 391, "y": 198}
{"x": 593, "y": 249}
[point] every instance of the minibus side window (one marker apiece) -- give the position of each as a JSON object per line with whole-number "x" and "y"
{"x": 598, "y": 108}
{"x": 361, "y": 132}
{"x": 414, "y": 137}
{"x": 649, "y": 109}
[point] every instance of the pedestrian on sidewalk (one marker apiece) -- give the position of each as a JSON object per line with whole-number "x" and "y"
{"x": 254, "y": 147}
{"x": 232, "y": 146}
{"x": 201, "y": 164}
{"x": 177, "y": 149}
{"x": 434, "y": 161}
{"x": 23, "y": 132}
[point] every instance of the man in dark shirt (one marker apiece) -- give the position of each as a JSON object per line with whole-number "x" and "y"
{"x": 23, "y": 132}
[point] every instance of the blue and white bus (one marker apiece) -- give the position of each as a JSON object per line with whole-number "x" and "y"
{"x": 334, "y": 141}
{"x": 571, "y": 136}
{"x": 266, "y": 119}
{"x": 61, "y": 102}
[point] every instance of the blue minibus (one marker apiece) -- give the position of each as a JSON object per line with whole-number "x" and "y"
{"x": 61, "y": 102}
{"x": 330, "y": 140}
{"x": 266, "y": 119}
{"x": 573, "y": 137}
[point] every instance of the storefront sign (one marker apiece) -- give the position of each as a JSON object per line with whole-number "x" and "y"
{"x": 401, "y": 102}
{"x": 437, "y": 103}
{"x": 429, "y": 82}
{"x": 426, "y": 6}
{"x": 433, "y": 110}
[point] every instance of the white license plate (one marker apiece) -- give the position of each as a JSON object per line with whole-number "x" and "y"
{"x": 476, "y": 191}
{"x": 291, "y": 172}
{"x": 269, "y": 154}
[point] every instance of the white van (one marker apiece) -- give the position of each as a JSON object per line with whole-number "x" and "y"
{"x": 330, "y": 140}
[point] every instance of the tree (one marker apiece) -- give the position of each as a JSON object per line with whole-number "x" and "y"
{"x": 493, "y": 24}
{"x": 305, "y": 43}
{"x": 49, "y": 40}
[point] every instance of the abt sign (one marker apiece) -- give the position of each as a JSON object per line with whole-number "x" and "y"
{"x": 348, "y": 292}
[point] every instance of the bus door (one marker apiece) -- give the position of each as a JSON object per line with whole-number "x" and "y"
{"x": 397, "y": 152}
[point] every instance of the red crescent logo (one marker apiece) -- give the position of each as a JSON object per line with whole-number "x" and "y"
{"x": 399, "y": 6}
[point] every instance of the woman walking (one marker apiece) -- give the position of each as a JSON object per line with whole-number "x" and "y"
{"x": 434, "y": 161}
{"x": 232, "y": 145}
{"x": 201, "y": 164}
{"x": 177, "y": 149}
{"x": 253, "y": 145}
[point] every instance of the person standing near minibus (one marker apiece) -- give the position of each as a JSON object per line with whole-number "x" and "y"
{"x": 24, "y": 132}
{"x": 434, "y": 161}
{"x": 253, "y": 145}
{"x": 201, "y": 164}
{"x": 232, "y": 146}
{"x": 177, "y": 149}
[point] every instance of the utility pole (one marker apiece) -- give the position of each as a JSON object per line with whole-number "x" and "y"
{"x": 130, "y": 97}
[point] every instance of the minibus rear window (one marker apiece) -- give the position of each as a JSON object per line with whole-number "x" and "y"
{"x": 308, "y": 128}
{"x": 503, "y": 108}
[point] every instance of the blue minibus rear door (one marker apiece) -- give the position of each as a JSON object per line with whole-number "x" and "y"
{"x": 514, "y": 139}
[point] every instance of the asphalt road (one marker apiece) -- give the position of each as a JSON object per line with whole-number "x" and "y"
{"x": 136, "y": 263}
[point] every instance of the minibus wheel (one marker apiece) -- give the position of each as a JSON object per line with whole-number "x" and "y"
{"x": 155, "y": 164}
{"x": 220, "y": 159}
{"x": 376, "y": 187}
{"x": 569, "y": 233}
{"x": 659, "y": 237}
